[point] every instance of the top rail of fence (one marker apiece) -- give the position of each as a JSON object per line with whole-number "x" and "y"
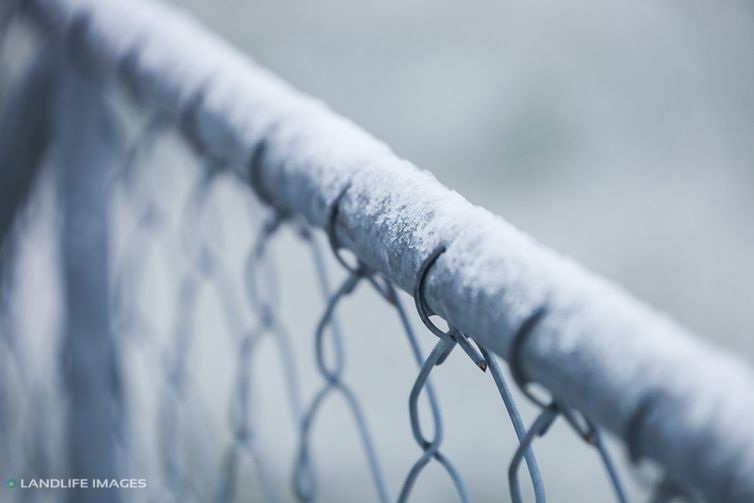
{"x": 668, "y": 395}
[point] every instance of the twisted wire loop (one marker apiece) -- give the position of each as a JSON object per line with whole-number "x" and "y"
{"x": 663, "y": 488}
{"x": 304, "y": 483}
{"x": 151, "y": 217}
{"x": 127, "y": 319}
{"x": 177, "y": 401}
{"x": 484, "y": 360}
{"x": 259, "y": 265}
{"x": 204, "y": 268}
{"x": 267, "y": 311}
{"x": 208, "y": 268}
{"x": 181, "y": 486}
{"x": 582, "y": 425}
{"x": 388, "y": 291}
{"x": 129, "y": 324}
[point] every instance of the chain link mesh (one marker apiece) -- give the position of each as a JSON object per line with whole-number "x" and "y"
{"x": 185, "y": 463}
{"x": 262, "y": 288}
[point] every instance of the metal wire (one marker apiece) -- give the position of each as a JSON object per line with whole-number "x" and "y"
{"x": 579, "y": 423}
{"x": 450, "y": 338}
{"x": 240, "y": 416}
{"x": 332, "y": 372}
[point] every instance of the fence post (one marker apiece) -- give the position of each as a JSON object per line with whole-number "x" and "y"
{"x": 87, "y": 147}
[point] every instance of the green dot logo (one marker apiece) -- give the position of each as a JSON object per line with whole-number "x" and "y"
{"x": 12, "y": 483}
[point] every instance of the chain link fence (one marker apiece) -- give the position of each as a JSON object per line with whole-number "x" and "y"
{"x": 155, "y": 344}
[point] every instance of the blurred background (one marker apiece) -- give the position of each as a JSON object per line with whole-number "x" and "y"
{"x": 620, "y": 134}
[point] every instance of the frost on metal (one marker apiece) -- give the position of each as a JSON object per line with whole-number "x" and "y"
{"x": 670, "y": 396}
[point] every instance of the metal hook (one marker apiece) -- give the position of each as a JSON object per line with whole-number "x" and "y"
{"x": 125, "y": 70}
{"x": 256, "y": 259}
{"x": 255, "y": 168}
{"x": 583, "y": 428}
{"x": 188, "y": 126}
{"x": 514, "y": 355}
{"x": 360, "y": 269}
{"x": 424, "y": 313}
{"x": 421, "y": 305}
{"x": 633, "y": 428}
